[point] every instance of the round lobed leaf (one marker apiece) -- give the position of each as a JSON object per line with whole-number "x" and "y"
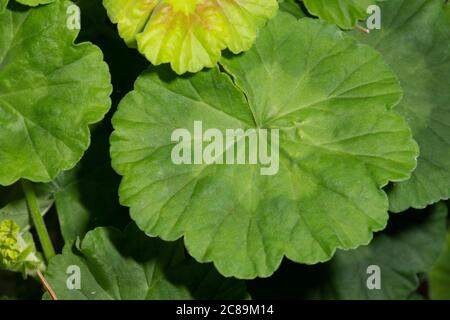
{"x": 333, "y": 127}
{"x": 189, "y": 34}
{"x": 50, "y": 91}
{"x": 415, "y": 41}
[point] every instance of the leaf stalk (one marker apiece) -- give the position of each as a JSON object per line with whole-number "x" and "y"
{"x": 38, "y": 220}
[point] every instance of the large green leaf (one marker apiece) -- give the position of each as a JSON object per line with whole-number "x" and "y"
{"x": 415, "y": 41}
{"x": 344, "y": 13}
{"x": 409, "y": 247}
{"x": 334, "y": 159}
{"x": 116, "y": 266}
{"x": 50, "y": 91}
{"x": 189, "y": 34}
{"x": 440, "y": 276}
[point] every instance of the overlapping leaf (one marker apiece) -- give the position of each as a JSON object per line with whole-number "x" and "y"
{"x": 334, "y": 159}
{"x": 189, "y": 34}
{"x": 292, "y": 7}
{"x": 161, "y": 271}
{"x": 344, "y": 13}
{"x": 50, "y": 91}
{"x": 415, "y": 41}
{"x": 408, "y": 248}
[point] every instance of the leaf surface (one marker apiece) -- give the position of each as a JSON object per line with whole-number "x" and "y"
{"x": 408, "y": 248}
{"x": 344, "y": 13}
{"x": 114, "y": 266}
{"x": 333, "y": 127}
{"x": 415, "y": 41}
{"x": 292, "y": 7}
{"x": 189, "y": 34}
{"x": 3, "y": 4}
{"x": 50, "y": 91}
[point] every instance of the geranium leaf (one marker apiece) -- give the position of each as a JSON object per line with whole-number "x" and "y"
{"x": 406, "y": 249}
{"x": 290, "y": 6}
{"x": 408, "y": 38}
{"x": 161, "y": 271}
{"x": 50, "y": 91}
{"x": 189, "y": 34}
{"x": 344, "y": 13}
{"x": 327, "y": 193}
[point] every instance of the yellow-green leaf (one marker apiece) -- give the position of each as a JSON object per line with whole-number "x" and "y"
{"x": 189, "y": 34}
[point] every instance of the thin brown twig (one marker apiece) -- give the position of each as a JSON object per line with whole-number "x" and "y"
{"x": 365, "y": 30}
{"x": 47, "y": 286}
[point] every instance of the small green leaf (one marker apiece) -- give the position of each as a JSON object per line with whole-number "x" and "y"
{"x": 333, "y": 127}
{"x": 189, "y": 34}
{"x": 50, "y": 91}
{"x": 344, "y": 13}
{"x": 408, "y": 248}
{"x": 142, "y": 268}
{"x": 415, "y": 41}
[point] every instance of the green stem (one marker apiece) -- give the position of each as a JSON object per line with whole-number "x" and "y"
{"x": 38, "y": 221}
